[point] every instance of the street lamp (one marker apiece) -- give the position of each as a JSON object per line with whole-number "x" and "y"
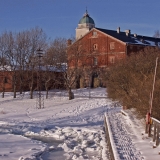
{"x": 40, "y": 98}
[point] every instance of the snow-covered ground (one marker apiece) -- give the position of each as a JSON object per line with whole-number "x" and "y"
{"x": 69, "y": 129}
{"x": 128, "y": 135}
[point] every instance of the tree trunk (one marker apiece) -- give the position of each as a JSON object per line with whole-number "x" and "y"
{"x": 70, "y": 93}
{"x": 46, "y": 93}
{"x": 3, "y": 94}
{"x": 20, "y": 88}
{"x": 3, "y": 90}
{"x": 31, "y": 93}
{"x": 14, "y": 90}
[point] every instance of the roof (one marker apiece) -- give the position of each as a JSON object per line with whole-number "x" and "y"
{"x": 132, "y": 38}
{"x": 59, "y": 68}
{"x": 86, "y": 19}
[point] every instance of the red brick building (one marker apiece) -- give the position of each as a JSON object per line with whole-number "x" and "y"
{"x": 27, "y": 79}
{"x": 96, "y": 49}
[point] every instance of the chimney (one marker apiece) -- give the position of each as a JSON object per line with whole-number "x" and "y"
{"x": 135, "y": 35}
{"x": 69, "y": 42}
{"x": 118, "y": 30}
{"x": 128, "y": 31}
{"x": 156, "y": 43}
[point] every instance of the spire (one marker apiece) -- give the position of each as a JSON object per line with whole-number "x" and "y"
{"x": 86, "y": 14}
{"x": 86, "y": 11}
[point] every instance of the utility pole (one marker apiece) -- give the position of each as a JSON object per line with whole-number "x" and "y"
{"x": 153, "y": 85}
{"x": 40, "y": 97}
{"x": 148, "y": 115}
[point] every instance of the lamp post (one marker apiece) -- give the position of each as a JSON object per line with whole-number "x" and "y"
{"x": 40, "y": 98}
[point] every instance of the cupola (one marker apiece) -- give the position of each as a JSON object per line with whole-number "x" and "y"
{"x": 85, "y": 24}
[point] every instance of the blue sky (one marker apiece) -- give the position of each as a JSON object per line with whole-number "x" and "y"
{"x": 59, "y": 18}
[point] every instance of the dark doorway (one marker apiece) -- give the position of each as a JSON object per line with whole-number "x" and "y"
{"x": 93, "y": 80}
{"x": 78, "y": 82}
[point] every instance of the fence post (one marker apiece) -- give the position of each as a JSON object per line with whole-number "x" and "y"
{"x": 157, "y": 138}
{"x": 154, "y": 134}
{"x": 146, "y": 129}
{"x": 149, "y": 130}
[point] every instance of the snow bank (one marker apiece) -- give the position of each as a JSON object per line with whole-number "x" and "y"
{"x": 78, "y": 143}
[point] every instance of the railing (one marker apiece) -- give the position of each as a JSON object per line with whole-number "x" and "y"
{"x": 109, "y": 138}
{"x": 153, "y": 129}
{"x": 156, "y": 130}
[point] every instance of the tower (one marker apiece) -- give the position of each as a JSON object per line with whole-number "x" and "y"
{"x": 85, "y": 24}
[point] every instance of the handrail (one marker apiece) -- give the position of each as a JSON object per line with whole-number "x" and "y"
{"x": 156, "y": 131}
{"x": 111, "y": 144}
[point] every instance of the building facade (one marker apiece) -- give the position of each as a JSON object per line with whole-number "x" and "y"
{"x": 95, "y": 49}
{"x": 27, "y": 80}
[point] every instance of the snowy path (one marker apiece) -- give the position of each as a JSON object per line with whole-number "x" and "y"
{"x": 77, "y": 125}
{"x": 122, "y": 135}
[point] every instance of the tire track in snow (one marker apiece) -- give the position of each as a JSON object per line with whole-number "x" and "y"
{"x": 121, "y": 137}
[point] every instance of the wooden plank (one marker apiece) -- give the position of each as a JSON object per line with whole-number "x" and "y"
{"x": 154, "y": 134}
{"x": 157, "y": 136}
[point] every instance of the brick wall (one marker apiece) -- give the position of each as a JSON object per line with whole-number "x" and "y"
{"x": 104, "y": 48}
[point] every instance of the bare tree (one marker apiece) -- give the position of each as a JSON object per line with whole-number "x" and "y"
{"x": 17, "y": 51}
{"x": 22, "y": 52}
{"x": 4, "y": 63}
{"x": 130, "y": 81}
{"x": 37, "y": 39}
{"x": 11, "y": 57}
{"x": 75, "y": 64}
{"x": 54, "y": 61}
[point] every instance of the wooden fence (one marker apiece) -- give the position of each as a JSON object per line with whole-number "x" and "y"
{"x": 156, "y": 130}
{"x": 153, "y": 130}
{"x": 109, "y": 139}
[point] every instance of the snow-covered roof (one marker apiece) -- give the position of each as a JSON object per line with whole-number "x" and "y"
{"x": 58, "y": 68}
{"x": 132, "y": 38}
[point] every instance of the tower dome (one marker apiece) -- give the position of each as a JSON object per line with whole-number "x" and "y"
{"x": 85, "y": 24}
{"x": 86, "y": 19}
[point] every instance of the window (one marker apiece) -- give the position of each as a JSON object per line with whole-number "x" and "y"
{"x": 5, "y": 80}
{"x": 112, "y": 45}
{"x": 95, "y": 61}
{"x": 112, "y": 59}
{"x": 95, "y": 46}
{"x": 94, "y": 34}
